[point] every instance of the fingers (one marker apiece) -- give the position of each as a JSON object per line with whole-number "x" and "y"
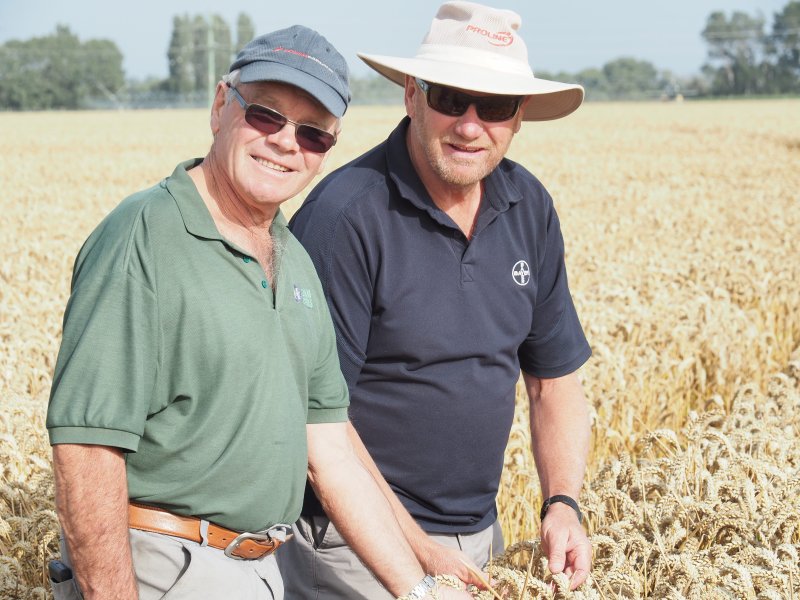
{"x": 450, "y": 561}
{"x": 557, "y": 557}
{"x": 579, "y": 562}
{"x": 568, "y": 550}
{"x": 472, "y": 574}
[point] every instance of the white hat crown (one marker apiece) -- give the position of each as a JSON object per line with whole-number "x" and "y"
{"x": 478, "y": 48}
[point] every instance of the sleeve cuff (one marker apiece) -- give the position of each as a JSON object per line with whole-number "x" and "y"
{"x": 558, "y": 371}
{"x": 94, "y": 435}
{"x": 326, "y": 415}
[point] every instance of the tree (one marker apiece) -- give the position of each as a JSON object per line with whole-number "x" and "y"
{"x": 180, "y": 56}
{"x": 736, "y": 44}
{"x": 784, "y": 45}
{"x": 594, "y": 82}
{"x": 222, "y": 47}
{"x": 245, "y": 31}
{"x": 200, "y": 34}
{"x": 57, "y": 71}
{"x": 630, "y": 78}
{"x": 104, "y": 74}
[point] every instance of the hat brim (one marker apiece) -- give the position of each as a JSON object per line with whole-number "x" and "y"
{"x": 273, "y": 71}
{"x": 553, "y": 99}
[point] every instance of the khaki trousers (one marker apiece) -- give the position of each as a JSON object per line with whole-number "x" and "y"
{"x": 176, "y": 569}
{"x": 318, "y": 565}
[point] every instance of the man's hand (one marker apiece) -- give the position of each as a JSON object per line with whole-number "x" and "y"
{"x": 566, "y": 545}
{"x": 437, "y": 559}
{"x": 560, "y": 433}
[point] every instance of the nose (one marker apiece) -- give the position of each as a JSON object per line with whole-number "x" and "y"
{"x": 469, "y": 125}
{"x": 285, "y": 138}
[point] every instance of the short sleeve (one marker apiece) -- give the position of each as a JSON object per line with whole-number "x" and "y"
{"x": 108, "y": 361}
{"x": 556, "y": 344}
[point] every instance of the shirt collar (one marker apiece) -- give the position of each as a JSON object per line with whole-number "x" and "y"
{"x": 500, "y": 192}
{"x": 193, "y": 209}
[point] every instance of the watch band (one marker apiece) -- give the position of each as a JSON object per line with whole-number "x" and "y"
{"x": 419, "y": 591}
{"x": 565, "y": 500}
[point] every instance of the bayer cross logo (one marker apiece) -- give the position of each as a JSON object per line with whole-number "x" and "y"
{"x": 521, "y": 273}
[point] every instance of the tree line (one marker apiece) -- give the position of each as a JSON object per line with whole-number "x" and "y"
{"x": 59, "y": 71}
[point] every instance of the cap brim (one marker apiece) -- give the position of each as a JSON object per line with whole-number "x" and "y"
{"x": 553, "y": 99}
{"x": 272, "y": 71}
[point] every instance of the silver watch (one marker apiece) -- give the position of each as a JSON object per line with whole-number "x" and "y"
{"x": 419, "y": 591}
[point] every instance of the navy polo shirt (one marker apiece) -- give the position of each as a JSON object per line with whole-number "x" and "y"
{"x": 432, "y": 328}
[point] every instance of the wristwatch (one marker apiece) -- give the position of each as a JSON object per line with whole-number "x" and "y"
{"x": 419, "y": 591}
{"x": 559, "y": 498}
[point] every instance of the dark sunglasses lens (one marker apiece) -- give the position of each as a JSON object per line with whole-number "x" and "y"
{"x": 447, "y": 101}
{"x": 269, "y": 121}
{"x": 265, "y": 120}
{"x": 454, "y": 104}
{"x": 313, "y": 139}
{"x": 501, "y": 108}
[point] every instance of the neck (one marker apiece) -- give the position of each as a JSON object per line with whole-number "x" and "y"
{"x": 226, "y": 207}
{"x": 240, "y": 223}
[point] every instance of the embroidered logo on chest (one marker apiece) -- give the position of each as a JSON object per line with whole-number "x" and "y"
{"x": 521, "y": 273}
{"x": 303, "y": 296}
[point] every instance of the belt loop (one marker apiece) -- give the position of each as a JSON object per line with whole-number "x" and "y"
{"x": 203, "y": 532}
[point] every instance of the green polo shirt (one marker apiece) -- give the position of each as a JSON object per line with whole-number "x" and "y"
{"x": 176, "y": 350}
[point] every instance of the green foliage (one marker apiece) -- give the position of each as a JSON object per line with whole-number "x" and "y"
{"x": 179, "y": 56}
{"x": 200, "y": 51}
{"x": 784, "y": 46}
{"x": 735, "y": 49}
{"x": 58, "y": 71}
{"x": 245, "y": 30}
{"x": 620, "y": 79}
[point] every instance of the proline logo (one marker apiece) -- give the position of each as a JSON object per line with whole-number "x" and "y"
{"x": 500, "y": 38}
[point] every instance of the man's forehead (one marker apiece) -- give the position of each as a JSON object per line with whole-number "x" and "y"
{"x": 474, "y": 93}
{"x": 278, "y": 92}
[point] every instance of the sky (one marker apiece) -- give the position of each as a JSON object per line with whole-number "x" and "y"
{"x": 565, "y": 35}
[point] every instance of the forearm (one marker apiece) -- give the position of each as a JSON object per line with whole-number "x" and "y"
{"x": 92, "y": 506}
{"x": 415, "y": 535}
{"x": 435, "y": 558}
{"x": 560, "y": 433}
{"x": 359, "y": 509}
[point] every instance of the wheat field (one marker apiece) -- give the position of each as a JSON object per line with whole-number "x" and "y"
{"x": 682, "y": 228}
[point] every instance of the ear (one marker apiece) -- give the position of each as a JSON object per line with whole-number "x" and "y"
{"x": 411, "y": 90}
{"x": 217, "y": 106}
{"x": 520, "y": 113}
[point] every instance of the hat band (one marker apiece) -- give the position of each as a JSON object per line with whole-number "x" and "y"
{"x": 472, "y": 57}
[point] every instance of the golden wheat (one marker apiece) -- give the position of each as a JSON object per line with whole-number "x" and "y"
{"x": 682, "y": 227}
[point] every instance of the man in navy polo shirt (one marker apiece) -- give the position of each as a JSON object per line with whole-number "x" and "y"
{"x": 443, "y": 265}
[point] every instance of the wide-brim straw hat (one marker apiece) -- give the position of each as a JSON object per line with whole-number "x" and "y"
{"x": 477, "y": 48}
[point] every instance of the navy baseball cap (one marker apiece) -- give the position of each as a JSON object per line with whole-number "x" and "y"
{"x": 301, "y": 57}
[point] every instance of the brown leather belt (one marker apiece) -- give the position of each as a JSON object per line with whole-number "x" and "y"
{"x": 243, "y": 546}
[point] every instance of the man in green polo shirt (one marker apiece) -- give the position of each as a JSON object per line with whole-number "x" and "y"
{"x": 198, "y": 378}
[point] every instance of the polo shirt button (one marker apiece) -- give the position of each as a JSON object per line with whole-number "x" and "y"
{"x": 246, "y": 259}
{"x": 264, "y": 283}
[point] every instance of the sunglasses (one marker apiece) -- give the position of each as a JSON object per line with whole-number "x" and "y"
{"x": 453, "y": 103}
{"x": 269, "y": 121}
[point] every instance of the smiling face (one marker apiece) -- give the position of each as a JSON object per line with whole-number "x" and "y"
{"x": 454, "y": 151}
{"x": 258, "y": 169}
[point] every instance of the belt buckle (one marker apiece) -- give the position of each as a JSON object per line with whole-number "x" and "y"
{"x": 237, "y": 541}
